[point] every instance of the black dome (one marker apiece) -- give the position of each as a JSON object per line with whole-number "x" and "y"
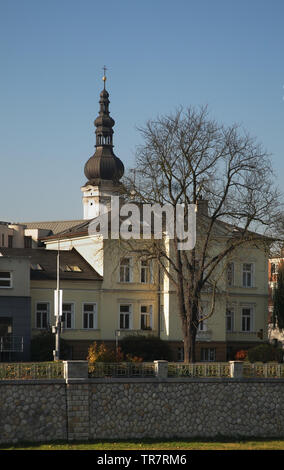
{"x": 104, "y": 164}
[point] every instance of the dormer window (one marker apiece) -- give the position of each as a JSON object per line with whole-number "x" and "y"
{"x": 36, "y": 267}
{"x": 73, "y": 269}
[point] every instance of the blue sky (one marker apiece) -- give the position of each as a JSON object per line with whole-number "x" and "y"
{"x": 160, "y": 54}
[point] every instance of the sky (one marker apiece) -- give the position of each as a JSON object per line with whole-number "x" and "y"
{"x": 160, "y": 54}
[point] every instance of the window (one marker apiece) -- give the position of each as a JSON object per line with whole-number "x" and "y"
{"x": 273, "y": 268}
{"x": 180, "y": 354}
{"x": 247, "y": 318}
{"x": 10, "y": 241}
{"x": 230, "y": 319}
{"x": 5, "y": 279}
{"x": 3, "y": 239}
{"x": 68, "y": 316}
{"x": 230, "y": 274}
{"x": 36, "y": 267}
{"x": 72, "y": 269}
{"x": 28, "y": 242}
{"x": 146, "y": 317}
{"x": 146, "y": 272}
{"x": 89, "y": 316}
{"x": 247, "y": 275}
{"x": 202, "y": 325}
{"x": 42, "y": 315}
{"x": 125, "y": 316}
{"x": 125, "y": 270}
{"x": 162, "y": 318}
{"x": 208, "y": 354}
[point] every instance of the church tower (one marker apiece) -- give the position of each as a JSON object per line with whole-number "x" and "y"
{"x": 103, "y": 170}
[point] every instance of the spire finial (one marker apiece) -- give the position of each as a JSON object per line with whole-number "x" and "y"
{"x": 104, "y": 77}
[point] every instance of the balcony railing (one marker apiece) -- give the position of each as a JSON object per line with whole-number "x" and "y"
{"x": 11, "y": 343}
{"x": 204, "y": 335}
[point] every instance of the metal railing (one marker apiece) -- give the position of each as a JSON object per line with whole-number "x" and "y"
{"x": 208, "y": 369}
{"x": 30, "y": 370}
{"x": 122, "y": 369}
{"x": 11, "y": 343}
{"x": 182, "y": 370}
{"x": 263, "y": 370}
{"x": 55, "y": 370}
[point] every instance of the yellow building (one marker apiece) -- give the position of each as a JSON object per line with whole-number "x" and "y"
{"x": 125, "y": 294}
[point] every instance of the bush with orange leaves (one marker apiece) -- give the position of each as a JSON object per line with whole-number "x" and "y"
{"x": 241, "y": 355}
{"x": 103, "y": 353}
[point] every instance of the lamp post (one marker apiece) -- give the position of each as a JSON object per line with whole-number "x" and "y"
{"x": 57, "y": 311}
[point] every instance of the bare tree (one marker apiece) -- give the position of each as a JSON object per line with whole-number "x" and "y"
{"x": 188, "y": 158}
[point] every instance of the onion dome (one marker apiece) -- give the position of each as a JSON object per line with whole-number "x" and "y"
{"x": 104, "y": 165}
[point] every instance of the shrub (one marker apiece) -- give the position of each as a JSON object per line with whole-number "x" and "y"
{"x": 149, "y": 348}
{"x": 43, "y": 344}
{"x": 241, "y": 355}
{"x": 265, "y": 353}
{"x": 103, "y": 353}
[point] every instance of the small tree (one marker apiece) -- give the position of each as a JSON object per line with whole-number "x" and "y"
{"x": 278, "y": 297}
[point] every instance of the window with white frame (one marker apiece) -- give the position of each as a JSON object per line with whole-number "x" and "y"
{"x": 146, "y": 276}
{"x": 202, "y": 325}
{"x": 5, "y": 280}
{"x": 230, "y": 314}
{"x": 230, "y": 274}
{"x": 125, "y": 270}
{"x": 247, "y": 318}
{"x": 42, "y": 315}
{"x": 208, "y": 354}
{"x": 68, "y": 315}
{"x": 146, "y": 317}
{"x": 89, "y": 316}
{"x": 274, "y": 268}
{"x": 248, "y": 275}
{"x": 125, "y": 316}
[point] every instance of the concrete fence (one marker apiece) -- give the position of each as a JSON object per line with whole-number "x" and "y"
{"x": 79, "y": 408}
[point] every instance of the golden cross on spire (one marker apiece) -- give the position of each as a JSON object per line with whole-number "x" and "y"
{"x": 104, "y": 77}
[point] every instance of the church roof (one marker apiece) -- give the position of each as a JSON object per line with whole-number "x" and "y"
{"x": 77, "y": 230}
{"x": 104, "y": 164}
{"x": 55, "y": 226}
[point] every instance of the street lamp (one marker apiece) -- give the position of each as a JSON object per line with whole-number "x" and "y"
{"x": 58, "y": 294}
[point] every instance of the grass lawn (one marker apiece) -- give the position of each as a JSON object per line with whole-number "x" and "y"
{"x": 152, "y": 445}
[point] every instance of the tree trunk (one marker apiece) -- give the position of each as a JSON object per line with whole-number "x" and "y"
{"x": 189, "y": 330}
{"x": 189, "y": 339}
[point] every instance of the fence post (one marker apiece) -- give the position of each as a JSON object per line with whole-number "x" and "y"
{"x": 236, "y": 369}
{"x": 75, "y": 369}
{"x": 161, "y": 369}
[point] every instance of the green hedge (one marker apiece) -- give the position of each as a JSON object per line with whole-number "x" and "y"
{"x": 149, "y": 348}
{"x": 43, "y": 344}
{"x": 265, "y": 353}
